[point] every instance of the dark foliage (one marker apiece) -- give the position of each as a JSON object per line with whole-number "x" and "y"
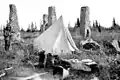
{"x": 78, "y": 22}
{"x": 99, "y": 28}
{"x": 114, "y": 22}
{"x": 109, "y": 48}
{"x": 114, "y": 70}
{"x": 103, "y": 73}
{"x": 22, "y": 30}
{"x": 28, "y": 30}
{"x": 91, "y": 46}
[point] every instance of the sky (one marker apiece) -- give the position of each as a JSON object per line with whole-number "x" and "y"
{"x": 32, "y": 10}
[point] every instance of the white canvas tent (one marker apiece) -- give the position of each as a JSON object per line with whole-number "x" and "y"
{"x": 56, "y": 39}
{"x": 115, "y": 44}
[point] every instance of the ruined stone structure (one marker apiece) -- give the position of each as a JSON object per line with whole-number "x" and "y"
{"x": 13, "y": 19}
{"x": 44, "y": 25}
{"x": 51, "y": 15}
{"x": 49, "y": 19}
{"x": 13, "y": 22}
{"x": 45, "y": 22}
{"x": 45, "y": 18}
{"x": 85, "y": 22}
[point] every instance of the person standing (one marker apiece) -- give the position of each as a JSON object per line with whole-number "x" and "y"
{"x": 7, "y": 37}
{"x": 41, "y": 58}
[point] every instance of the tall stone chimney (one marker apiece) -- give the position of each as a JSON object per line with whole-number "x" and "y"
{"x": 13, "y": 22}
{"x": 13, "y": 19}
{"x": 45, "y": 23}
{"x": 45, "y": 18}
{"x": 85, "y": 22}
{"x": 51, "y": 15}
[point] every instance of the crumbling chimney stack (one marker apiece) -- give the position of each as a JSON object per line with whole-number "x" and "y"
{"x": 13, "y": 18}
{"x": 85, "y": 22}
{"x": 51, "y": 15}
{"x": 13, "y": 22}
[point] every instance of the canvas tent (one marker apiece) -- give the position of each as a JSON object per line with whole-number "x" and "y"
{"x": 56, "y": 39}
{"x": 116, "y": 45}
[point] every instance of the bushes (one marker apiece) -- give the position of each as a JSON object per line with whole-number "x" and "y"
{"x": 103, "y": 73}
{"x": 109, "y": 49}
{"x": 92, "y": 46}
{"x": 114, "y": 70}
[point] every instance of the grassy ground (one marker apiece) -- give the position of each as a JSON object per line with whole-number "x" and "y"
{"x": 18, "y": 53}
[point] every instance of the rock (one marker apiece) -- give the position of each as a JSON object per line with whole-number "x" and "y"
{"x": 80, "y": 66}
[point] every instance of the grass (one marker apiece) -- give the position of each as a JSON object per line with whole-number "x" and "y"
{"x": 19, "y": 52}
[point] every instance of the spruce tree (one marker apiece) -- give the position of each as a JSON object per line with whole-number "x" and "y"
{"x": 99, "y": 28}
{"x": 114, "y": 22}
{"x": 96, "y": 23}
{"x": 78, "y": 22}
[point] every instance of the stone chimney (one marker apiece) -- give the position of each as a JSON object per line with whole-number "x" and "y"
{"x": 85, "y": 22}
{"x": 13, "y": 19}
{"x": 45, "y": 18}
{"x": 51, "y": 15}
{"x": 13, "y": 23}
{"x": 45, "y": 21}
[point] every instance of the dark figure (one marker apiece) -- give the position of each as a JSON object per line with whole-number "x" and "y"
{"x": 41, "y": 59}
{"x": 65, "y": 64}
{"x": 56, "y": 60}
{"x": 59, "y": 62}
{"x": 7, "y": 37}
{"x": 94, "y": 68}
{"x": 59, "y": 71}
{"x": 49, "y": 62}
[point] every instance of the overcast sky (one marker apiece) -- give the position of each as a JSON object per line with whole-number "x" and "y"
{"x": 32, "y": 10}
